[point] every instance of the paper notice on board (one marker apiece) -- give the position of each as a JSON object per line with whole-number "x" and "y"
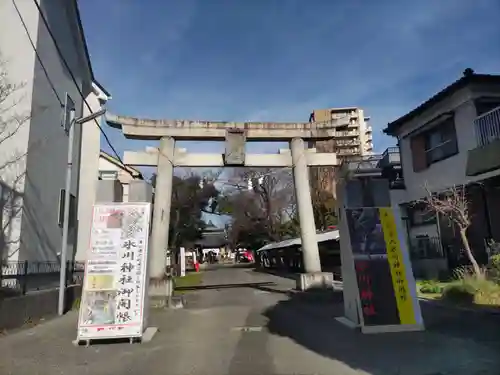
{"x": 115, "y": 275}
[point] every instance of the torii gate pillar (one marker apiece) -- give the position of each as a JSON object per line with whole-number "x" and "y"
{"x": 310, "y": 250}
{"x": 161, "y": 209}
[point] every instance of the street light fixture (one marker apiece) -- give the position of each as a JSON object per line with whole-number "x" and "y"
{"x": 71, "y": 121}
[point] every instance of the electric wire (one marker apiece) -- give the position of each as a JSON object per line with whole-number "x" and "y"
{"x": 51, "y": 34}
{"x": 73, "y": 78}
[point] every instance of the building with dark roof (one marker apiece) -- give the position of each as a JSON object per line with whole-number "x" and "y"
{"x": 212, "y": 238}
{"x": 453, "y": 139}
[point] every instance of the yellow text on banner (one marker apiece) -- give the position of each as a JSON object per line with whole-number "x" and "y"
{"x": 398, "y": 272}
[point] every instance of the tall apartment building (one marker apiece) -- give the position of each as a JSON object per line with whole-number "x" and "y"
{"x": 353, "y": 138}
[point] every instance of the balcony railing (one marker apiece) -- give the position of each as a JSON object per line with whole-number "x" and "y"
{"x": 348, "y": 151}
{"x": 346, "y": 133}
{"x": 390, "y": 157}
{"x": 487, "y": 127}
{"x": 346, "y": 142}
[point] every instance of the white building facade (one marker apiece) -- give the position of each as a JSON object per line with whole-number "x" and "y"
{"x": 43, "y": 50}
{"x": 436, "y": 141}
{"x": 110, "y": 168}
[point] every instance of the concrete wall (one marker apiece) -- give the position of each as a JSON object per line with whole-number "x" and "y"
{"x": 451, "y": 171}
{"x": 48, "y": 142}
{"x": 17, "y": 58}
{"x": 18, "y": 311}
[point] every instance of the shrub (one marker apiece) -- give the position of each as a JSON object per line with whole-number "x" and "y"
{"x": 459, "y": 292}
{"x": 430, "y": 287}
{"x": 494, "y": 268}
{"x": 471, "y": 290}
{"x": 487, "y": 293}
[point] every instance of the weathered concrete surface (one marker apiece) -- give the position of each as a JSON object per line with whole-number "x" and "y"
{"x": 136, "y": 128}
{"x": 182, "y": 158}
{"x": 286, "y": 333}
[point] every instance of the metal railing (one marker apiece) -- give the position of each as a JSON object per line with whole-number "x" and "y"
{"x": 348, "y": 151}
{"x": 390, "y": 157}
{"x": 391, "y": 150}
{"x": 19, "y": 278}
{"x": 347, "y": 142}
{"x": 487, "y": 127}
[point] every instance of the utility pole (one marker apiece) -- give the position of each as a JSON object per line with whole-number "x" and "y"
{"x": 69, "y": 123}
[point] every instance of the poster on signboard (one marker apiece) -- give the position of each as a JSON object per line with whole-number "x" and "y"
{"x": 115, "y": 282}
{"x": 382, "y": 277}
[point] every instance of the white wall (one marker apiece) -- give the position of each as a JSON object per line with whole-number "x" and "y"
{"x": 123, "y": 176}
{"x": 451, "y": 171}
{"x": 89, "y": 166}
{"x": 18, "y": 58}
{"x": 48, "y": 142}
{"x": 42, "y": 135}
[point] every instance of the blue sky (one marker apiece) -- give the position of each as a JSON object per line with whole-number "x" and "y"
{"x": 276, "y": 60}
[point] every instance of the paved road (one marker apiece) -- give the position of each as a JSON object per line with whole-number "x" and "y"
{"x": 245, "y": 322}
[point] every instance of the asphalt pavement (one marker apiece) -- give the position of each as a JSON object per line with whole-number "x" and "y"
{"x": 244, "y": 322}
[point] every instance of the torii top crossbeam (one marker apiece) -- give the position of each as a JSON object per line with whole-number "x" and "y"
{"x": 135, "y": 128}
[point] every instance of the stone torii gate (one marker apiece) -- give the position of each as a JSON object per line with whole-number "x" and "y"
{"x": 235, "y": 134}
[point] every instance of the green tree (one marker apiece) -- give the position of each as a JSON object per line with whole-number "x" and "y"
{"x": 191, "y": 196}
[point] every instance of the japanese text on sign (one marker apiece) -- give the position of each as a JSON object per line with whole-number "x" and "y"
{"x": 365, "y": 287}
{"x": 115, "y": 276}
{"x": 396, "y": 263}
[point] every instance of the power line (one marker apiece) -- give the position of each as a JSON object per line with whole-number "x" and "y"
{"x": 37, "y": 54}
{"x": 42, "y": 16}
{"x": 78, "y": 87}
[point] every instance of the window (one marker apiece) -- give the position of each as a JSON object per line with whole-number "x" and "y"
{"x": 72, "y": 209}
{"x": 420, "y": 215}
{"x": 435, "y": 144}
{"x": 441, "y": 142}
{"x": 68, "y": 113}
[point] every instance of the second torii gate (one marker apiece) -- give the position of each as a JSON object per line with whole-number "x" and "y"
{"x": 167, "y": 156}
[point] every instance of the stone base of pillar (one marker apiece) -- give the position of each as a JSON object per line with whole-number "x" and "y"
{"x": 315, "y": 280}
{"x": 174, "y": 302}
{"x": 163, "y": 288}
{"x": 161, "y": 294}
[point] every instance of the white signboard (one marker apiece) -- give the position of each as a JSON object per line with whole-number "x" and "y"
{"x": 114, "y": 292}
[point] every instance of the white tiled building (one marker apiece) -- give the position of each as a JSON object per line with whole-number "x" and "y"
{"x": 353, "y": 138}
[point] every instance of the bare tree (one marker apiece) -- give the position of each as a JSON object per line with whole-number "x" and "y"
{"x": 258, "y": 214}
{"x": 323, "y": 199}
{"x": 454, "y": 205}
